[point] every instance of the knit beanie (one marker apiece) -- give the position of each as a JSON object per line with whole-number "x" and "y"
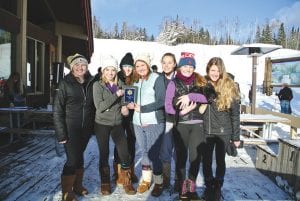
{"x": 75, "y": 59}
{"x": 127, "y": 60}
{"x": 187, "y": 58}
{"x": 109, "y": 61}
{"x": 143, "y": 57}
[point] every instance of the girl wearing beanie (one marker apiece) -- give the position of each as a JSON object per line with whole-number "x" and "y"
{"x": 182, "y": 101}
{"x": 125, "y": 75}
{"x": 149, "y": 122}
{"x": 108, "y": 122}
{"x": 74, "y": 114}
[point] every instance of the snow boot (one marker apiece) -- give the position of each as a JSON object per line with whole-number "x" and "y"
{"x": 183, "y": 193}
{"x": 158, "y": 185}
{"x": 146, "y": 179}
{"x": 77, "y": 187}
{"x": 217, "y": 187}
{"x": 166, "y": 174}
{"x": 127, "y": 183}
{"x": 116, "y": 172}
{"x": 105, "y": 181}
{"x": 67, "y": 182}
{"x": 209, "y": 190}
{"x": 134, "y": 178}
{"x": 192, "y": 194}
{"x": 119, "y": 176}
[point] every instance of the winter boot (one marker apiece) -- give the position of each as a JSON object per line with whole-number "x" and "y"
{"x": 146, "y": 179}
{"x": 116, "y": 173}
{"x": 134, "y": 178}
{"x": 158, "y": 185}
{"x": 119, "y": 176}
{"x": 183, "y": 194}
{"x": 105, "y": 181}
{"x": 192, "y": 194}
{"x": 209, "y": 189}
{"x": 127, "y": 183}
{"x": 77, "y": 187}
{"x": 166, "y": 174}
{"x": 67, "y": 182}
{"x": 217, "y": 187}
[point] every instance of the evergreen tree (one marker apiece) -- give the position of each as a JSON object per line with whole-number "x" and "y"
{"x": 281, "y": 40}
{"x": 257, "y": 35}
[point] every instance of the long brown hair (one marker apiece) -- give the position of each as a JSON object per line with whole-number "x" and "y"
{"x": 225, "y": 87}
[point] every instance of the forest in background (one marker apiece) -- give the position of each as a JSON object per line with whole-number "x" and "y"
{"x": 175, "y": 31}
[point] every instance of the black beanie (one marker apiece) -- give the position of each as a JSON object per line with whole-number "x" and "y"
{"x": 127, "y": 60}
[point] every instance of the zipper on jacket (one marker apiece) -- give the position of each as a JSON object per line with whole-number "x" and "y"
{"x": 140, "y": 114}
{"x": 209, "y": 120}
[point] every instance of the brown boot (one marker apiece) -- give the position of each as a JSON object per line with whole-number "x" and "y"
{"x": 146, "y": 182}
{"x": 134, "y": 178}
{"x": 166, "y": 174}
{"x": 67, "y": 182}
{"x": 77, "y": 187}
{"x": 115, "y": 167}
{"x": 120, "y": 178}
{"x": 127, "y": 183}
{"x": 105, "y": 181}
{"x": 158, "y": 185}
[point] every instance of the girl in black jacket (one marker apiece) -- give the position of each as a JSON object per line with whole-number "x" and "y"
{"x": 221, "y": 126}
{"x": 74, "y": 114}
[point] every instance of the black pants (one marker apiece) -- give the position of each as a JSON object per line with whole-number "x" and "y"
{"x": 189, "y": 141}
{"x": 74, "y": 149}
{"x": 118, "y": 136}
{"x": 219, "y": 143}
{"x": 130, "y": 136}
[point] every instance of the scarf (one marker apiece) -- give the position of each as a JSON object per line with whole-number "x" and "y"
{"x": 184, "y": 79}
{"x": 112, "y": 88}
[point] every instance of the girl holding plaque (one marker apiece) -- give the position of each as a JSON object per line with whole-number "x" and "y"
{"x": 149, "y": 122}
{"x": 108, "y": 122}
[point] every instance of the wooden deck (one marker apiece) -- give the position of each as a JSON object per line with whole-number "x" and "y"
{"x": 30, "y": 170}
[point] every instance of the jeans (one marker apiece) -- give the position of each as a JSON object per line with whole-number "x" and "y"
{"x": 167, "y": 146}
{"x": 285, "y": 107}
{"x": 149, "y": 140}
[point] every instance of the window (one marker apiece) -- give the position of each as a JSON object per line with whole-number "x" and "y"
{"x": 35, "y": 66}
{"x": 5, "y": 54}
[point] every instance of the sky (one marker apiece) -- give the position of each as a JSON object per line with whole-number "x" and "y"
{"x": 150, "y": 14}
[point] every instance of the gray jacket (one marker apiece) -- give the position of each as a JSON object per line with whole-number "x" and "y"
{"x": 108, "y": 105}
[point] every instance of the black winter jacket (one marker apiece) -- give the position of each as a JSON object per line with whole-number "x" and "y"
{"x": 74, "y": 108}
{"x": 223, "y": 122}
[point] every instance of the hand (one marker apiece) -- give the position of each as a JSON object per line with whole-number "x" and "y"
{"x": 120, "y": 92}
{"x": 124, "y": 111}
{"x": 188, "y": 108}
{"x": 184, "y": 101}
{"x": 137, "y": 108}
{"x": 236, "y": 143}
{"x": 130, "y": 106}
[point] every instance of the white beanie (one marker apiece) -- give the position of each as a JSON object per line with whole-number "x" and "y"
{"x": 75, "y": 59}
{"x": 109, "y": 61}
{"x": 143, "y": 57}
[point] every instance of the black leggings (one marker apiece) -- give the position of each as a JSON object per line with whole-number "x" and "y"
{"x": 220, "y": 143}
{"x": 130, "y": 136}
{"x": 189, "y": 141}
{"x": 118, "y": 135}
{"x": 74, "y": 149}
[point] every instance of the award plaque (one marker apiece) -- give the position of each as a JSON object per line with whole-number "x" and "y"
{"x": 130, "y": 94}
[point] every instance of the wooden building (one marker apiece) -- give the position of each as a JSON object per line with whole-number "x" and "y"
{"x": 37, "y": 35}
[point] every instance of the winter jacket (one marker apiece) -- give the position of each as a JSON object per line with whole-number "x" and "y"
{"x": 285, "y": 94}
{"x": 151, "y": 98}
{"x": 73, "y": 107}
{"x": 108, "y": 105}
{"x": 223, "y": 122}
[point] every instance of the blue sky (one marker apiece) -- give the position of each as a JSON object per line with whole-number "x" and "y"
{"x": 150, "y": 13}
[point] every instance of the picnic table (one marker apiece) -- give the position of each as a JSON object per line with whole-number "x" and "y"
{"x": 266, "y": 120}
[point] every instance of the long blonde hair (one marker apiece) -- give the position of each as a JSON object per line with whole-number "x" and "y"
{"x": 226, "y": 88}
